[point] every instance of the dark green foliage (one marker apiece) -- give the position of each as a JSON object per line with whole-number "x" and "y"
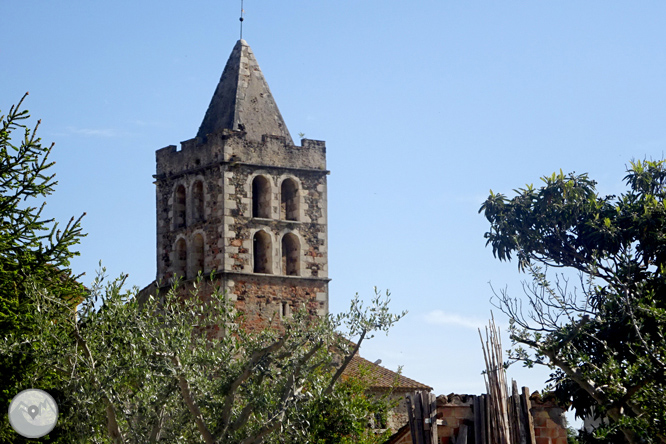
{"x": 349, "y": 414}
{"x": 185, "y": 370}
{"x": 572, "y": 436}
{"x": 32, "y": 249}
{"x": 604, "y": 338}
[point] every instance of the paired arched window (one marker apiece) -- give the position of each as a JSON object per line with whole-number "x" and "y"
{"x": 197, "y": 201}
{"x": 180, "y": 259}
{"x": 180, "y": 204}
{"x": 261, "y": 244}
{"x": 290, "y": 255}
{"x": 179, "y": 207}
{"x": 261, "y": 197}
{"x": 262, "y": 253}
{"x": 289, "y": 200}
{"x": 188, "y": 262}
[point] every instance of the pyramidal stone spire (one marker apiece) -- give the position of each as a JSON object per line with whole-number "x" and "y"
{"x": 243, "y": 101}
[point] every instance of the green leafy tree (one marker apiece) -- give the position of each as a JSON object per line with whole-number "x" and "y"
{"x": 604, "y": 336}
{"x": 345, "y": 415}
{"x": 32, "y": 248}
{"x": 179, "y": 369}
{"x": 572, "y": 436}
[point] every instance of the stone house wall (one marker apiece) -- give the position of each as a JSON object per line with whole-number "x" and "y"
{"x": 455, "y": 410}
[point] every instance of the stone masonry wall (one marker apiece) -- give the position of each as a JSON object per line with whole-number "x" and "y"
{"x": 224, "y": 165}
{"x": 227, "y": 146}
{"x": 208, "y": 226}
{"x": 455, "y": 410}
{"x": 549, "y": 421}
{"x": 240, "y": 226}
{"x": 261, "y": 298}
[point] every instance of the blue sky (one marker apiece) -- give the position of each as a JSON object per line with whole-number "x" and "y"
{"x": 424, "y": 108}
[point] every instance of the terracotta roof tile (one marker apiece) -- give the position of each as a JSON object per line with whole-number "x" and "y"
{"x": 382, "y": 378}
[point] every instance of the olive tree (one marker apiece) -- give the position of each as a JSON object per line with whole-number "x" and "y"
{"x": 175, "y": 369}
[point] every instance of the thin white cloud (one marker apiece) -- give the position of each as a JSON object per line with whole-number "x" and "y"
{"x": 439, "y": 317}
{"x": 89, "y": 132}
{"x": 92, "y": 132}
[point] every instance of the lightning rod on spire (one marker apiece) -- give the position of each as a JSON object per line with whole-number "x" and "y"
{"x": 241, "y": 21}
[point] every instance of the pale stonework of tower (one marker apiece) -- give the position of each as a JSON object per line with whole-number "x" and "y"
{"x": 241, "y": 201}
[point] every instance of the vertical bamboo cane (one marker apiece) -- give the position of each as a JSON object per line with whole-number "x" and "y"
{"x": 496, "y": 385}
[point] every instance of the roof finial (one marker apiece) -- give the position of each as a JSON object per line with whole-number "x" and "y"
{"x": 241, "y": 20}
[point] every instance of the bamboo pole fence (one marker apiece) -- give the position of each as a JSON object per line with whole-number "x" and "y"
{"x": 501, "y": 416}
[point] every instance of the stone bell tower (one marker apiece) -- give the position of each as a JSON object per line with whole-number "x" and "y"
{"x": 241, "y": 201}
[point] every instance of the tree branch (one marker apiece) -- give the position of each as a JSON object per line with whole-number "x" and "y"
{"x": 615, "y": 412}
{"x": 112, "y": 423}
{"x": 192, "y": 404}
{"x": 113, "y": 428}
{"x": 344, "y": 365}
{"x": 157, "y": 428}
{"x": 245, "y": 374}
{"x": 263, "y": 432}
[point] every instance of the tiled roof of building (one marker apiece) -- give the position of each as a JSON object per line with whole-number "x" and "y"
{"x": 381, "y": 378}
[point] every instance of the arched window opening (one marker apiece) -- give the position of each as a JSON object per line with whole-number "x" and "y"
{"x": 289, "y": 200}
{"x": 197, "y": 256}
{"x": 290, "y": 255}
{"x": 179, "y": 207}
{"x": 180, "y": 262}
{"x": 262, "y": 252}
{"x": 198, "y": 201}
{"x": 261, "y": 197}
